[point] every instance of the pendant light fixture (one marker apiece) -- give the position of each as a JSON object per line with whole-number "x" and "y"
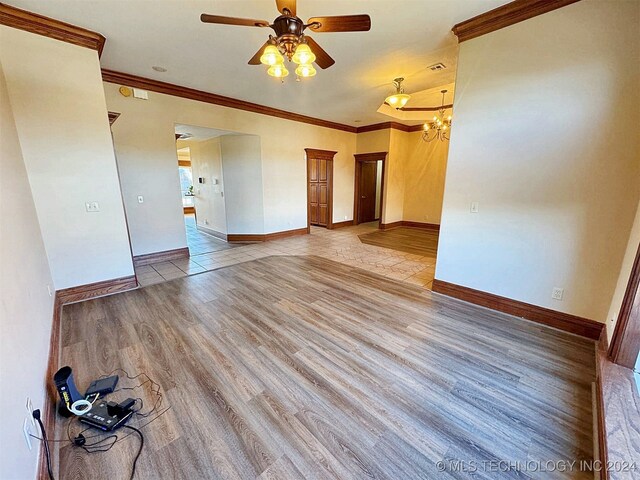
{"x": 439, "y": 126}
{"x": 398, "y": 99}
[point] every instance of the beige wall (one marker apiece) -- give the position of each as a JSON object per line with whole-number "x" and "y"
{"x": 376, "y": 141}
{"x": 26, "y": 307}
{"x": 144, "y": 140}
{"x": 394, "y": 181}
{"x": 557, "y": 193}
{"x": 424, "y": 172}
{"x": 414, "y": 177}
{"x": 206, "y": 162}
{"x": 244, "y": 198}
{"x": 59, "y": 107}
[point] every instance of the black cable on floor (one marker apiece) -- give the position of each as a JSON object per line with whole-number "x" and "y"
{"x": 36, "y": 415}
{"x": 135, "y": 460}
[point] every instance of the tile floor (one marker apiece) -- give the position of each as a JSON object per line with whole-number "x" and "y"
{"x": 200, "y": 242}
{"x": 341, "y": 245}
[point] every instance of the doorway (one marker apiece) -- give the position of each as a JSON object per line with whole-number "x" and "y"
{"x": 186, "y": 180}
{"x": 201, "y": 181}
{"x": 369, "y": 187}
{"x": 319, "y": 188}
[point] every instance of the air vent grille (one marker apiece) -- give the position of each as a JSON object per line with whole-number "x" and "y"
{"x": 436, "y": 67}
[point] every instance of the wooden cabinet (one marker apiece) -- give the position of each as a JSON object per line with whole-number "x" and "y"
{"x": 320, "y": 186}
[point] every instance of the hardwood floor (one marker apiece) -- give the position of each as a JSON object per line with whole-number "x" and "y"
{"x": 300, "y": 367}
{"x": 411, "y": 240}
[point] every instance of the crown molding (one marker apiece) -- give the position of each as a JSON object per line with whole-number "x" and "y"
{"x": 504, "y": 16}
{"x": 129, "y": 80}
{"x": 49, "y": 27}
{"x": 383, "y": 126}
{"x": 389, "y": 125}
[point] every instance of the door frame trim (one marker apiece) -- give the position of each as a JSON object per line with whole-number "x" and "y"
{"x": 321, "y": 155}
{"x": 624, "y": 346}
{"x": 361, "y": 158}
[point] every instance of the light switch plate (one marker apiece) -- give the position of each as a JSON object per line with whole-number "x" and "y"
{"x": 475, "y": 207}
{"x": 140, "y": 199}
{"x": 139, "y": 93}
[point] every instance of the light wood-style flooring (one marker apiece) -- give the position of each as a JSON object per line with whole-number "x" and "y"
{"x": 300, "y": 367}
{"x": 405, "y": 239}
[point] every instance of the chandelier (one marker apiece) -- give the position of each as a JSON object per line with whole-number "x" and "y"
{"x": 439, "y": 126}
{"x": 398, "y": 99}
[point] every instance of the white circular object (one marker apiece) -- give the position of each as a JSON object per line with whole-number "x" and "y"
{"x": 80, "y": 407}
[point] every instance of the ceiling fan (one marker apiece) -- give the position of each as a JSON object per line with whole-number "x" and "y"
{"x": 290, "y": 39}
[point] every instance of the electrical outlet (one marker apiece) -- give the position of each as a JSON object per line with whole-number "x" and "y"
{"x": 557, "y": 293}
{"x": 26, "y": 429}
{"x": 475, "y": 207}
{"x": 92, "y": 207}
{"x": 345, "y": 217}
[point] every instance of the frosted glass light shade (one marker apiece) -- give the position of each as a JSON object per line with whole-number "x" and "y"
{"x": 271, "y": 56}
{"x": 303, "y": 55}
{"x": 278, "y": 71}
{"x": 397, "y": 100}
{"x": 306, "y": 70}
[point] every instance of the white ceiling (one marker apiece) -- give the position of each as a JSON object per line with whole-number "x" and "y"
{"x": 405, "y": 38}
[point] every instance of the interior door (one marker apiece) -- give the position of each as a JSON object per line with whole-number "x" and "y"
{"x": 319, "y": 174}
{"x": 368, "y": 175}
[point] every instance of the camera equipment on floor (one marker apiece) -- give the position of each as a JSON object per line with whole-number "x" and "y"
{"x": 66, "y": 386}
{"x": 108, "y": 416}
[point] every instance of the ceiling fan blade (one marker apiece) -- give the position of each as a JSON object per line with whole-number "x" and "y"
{"x": 288, "y": 4}
{"x": 323, "y": 60}
{"x": 255, "y": 60}
{"x": 245, "y": 22}
{"x": 343, "y": 23}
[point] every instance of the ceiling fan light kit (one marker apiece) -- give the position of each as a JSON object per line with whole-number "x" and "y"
{"x": 305, "y": 70}
{"x": 271, "y": 56}
{"x": 303, "y": 55}
{"x": 278, "y": 71}
{"x": 291, "y": 42}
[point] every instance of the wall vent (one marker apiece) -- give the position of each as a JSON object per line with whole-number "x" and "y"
{"x": 436, "y": 67}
